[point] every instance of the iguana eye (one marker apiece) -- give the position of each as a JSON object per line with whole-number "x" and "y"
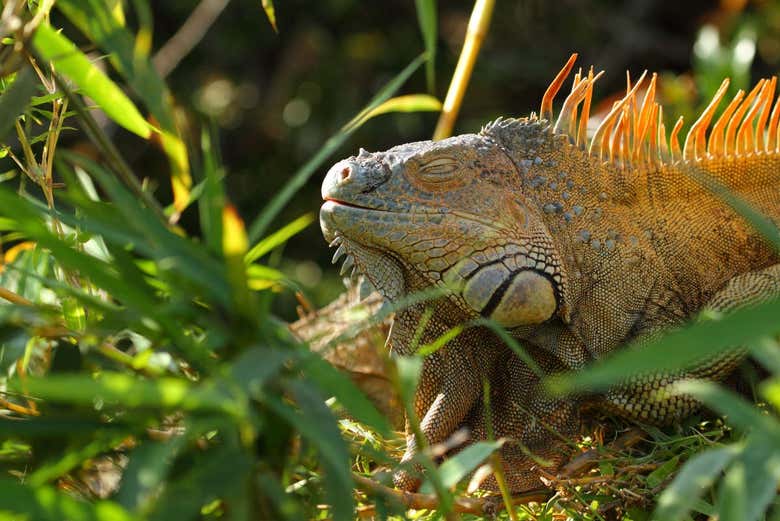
{"x": 439, "y": 169}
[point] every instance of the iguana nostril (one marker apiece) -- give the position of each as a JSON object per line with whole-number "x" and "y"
{"x": 345, "y": 173}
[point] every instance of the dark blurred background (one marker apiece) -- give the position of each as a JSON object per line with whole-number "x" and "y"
{"x": 275, "y": 98}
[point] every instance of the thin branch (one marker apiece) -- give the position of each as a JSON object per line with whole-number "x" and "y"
{"x": 189, "y": 34}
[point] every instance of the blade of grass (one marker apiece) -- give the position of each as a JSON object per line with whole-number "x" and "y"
{"x": 300, "y": 177}
{"x": 426, "y": 16}
{"x": 279, "y": 237}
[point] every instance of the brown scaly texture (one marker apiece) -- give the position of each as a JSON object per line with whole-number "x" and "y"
{"x": 575, "y": 245}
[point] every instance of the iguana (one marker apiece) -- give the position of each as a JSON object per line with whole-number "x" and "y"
{"x": 576, "y": 245}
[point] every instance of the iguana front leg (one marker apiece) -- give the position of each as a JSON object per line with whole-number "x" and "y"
{"x": 450, "y": 383}
{"x": 650, "y": 397}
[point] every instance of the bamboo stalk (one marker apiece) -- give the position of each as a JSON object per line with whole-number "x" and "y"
{"x": 475, "y": 35}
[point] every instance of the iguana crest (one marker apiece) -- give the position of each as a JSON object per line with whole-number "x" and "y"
{"x": 633, "y": 132}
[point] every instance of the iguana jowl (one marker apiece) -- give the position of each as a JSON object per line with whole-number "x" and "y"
{"x": 576, "y": 245}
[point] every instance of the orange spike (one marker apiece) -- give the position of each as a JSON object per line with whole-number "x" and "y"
{"x": 617, "y": 138}
{"x": 645, "y": 117}
{"x": 736, "y": 119}
{"x": 568, "y": 114}
{"x": 663, "y": 145}
{"x": 546, "y": 111}
{"x": 652, "y": 132}
{"x": 716, "y": 146}
{"x": 675, "y": 145}
{"x": 625, "y": 150}
{"x": 582, "y": 133}
{"x": 745, "y": 135}
{"x": 766, "y": 106}
{"x": 696, "y": 140}
{"x": 601, "y": 134}
{"x": 771, "y": 144}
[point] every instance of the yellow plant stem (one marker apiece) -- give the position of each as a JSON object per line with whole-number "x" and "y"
{"x": 10, "y": 296}
{"x": 475, "y": 35}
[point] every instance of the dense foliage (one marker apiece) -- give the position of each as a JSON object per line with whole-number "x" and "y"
{"x": 145, "y": 371}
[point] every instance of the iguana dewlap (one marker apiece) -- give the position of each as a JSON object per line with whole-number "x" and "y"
{"x": 575, "y": 245}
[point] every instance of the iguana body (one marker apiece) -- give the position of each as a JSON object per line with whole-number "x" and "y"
{"x": 575, "y": 250}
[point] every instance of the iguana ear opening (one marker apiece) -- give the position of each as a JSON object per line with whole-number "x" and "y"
{"x": 522, "y": 298}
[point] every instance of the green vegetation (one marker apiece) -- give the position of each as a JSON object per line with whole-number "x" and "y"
{"x": 146, "y": 373}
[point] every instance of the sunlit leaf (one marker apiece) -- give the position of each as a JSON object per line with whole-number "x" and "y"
{"x": 679, "y": 348}
{"x": 96, "y": 19}
{"x": 407, "y": 103}
{"x": 112, "y": 389}
{"x": 270, "y": 12}
{"x": 464, "y": 462}
{"x": 279, "y": 237}
{"x": 93, "y": 82}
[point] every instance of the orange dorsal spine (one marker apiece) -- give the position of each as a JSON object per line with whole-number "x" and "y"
{"x": 633, "y": 131}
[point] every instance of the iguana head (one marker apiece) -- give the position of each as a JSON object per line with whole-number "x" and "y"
{"x": 448, "y": 214}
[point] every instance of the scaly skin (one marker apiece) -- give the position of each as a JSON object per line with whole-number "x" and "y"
{"x": 574, "y": 256}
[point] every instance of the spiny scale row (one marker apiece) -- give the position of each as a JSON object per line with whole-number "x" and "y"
{"x": 634, "y": 133}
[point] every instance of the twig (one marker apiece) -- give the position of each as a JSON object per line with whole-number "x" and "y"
{"x": 461, "y": 505}
{"x": 189, "y": 34}
{"x": 475, "y": 34}
{"x": 588, "y": 459}
{"x": 492, "y": 504}
{"x": 10, "y": 296}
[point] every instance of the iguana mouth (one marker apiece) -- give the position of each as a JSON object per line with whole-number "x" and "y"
{"x": 353, "y": 205}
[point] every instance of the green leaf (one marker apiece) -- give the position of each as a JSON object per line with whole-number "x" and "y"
{"x": 214, "y": 474}
{"x": 407, "y": 103}
{"x": 677, "y": 349}
{"x": 279, "y": 237}
{"x": 146, "y": 472}
{"x": 126, "y": 390}
{"x": 300, "y": 177}
{"x": 732, "y": 494}
{"x": 739, "y": 412}
{"x": 317, "y": 425}
{"x": 330, "y": 380}
{"x": 213, "y": 200}
{"x": 48, "y": 504}
{"x": 16, "y": 98}
{"x": 658, "y": 476}
{"x": 698, "y": 474}
{"x": 409, "y": 369}
{"x": 761, "y": 458}
{"x": 270, "y": 12}
{"x": 464, "y": 462}
{"x": 96, "y": 19}
{"x": 53, "y": 46}
{"x": 426, "y": 16}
